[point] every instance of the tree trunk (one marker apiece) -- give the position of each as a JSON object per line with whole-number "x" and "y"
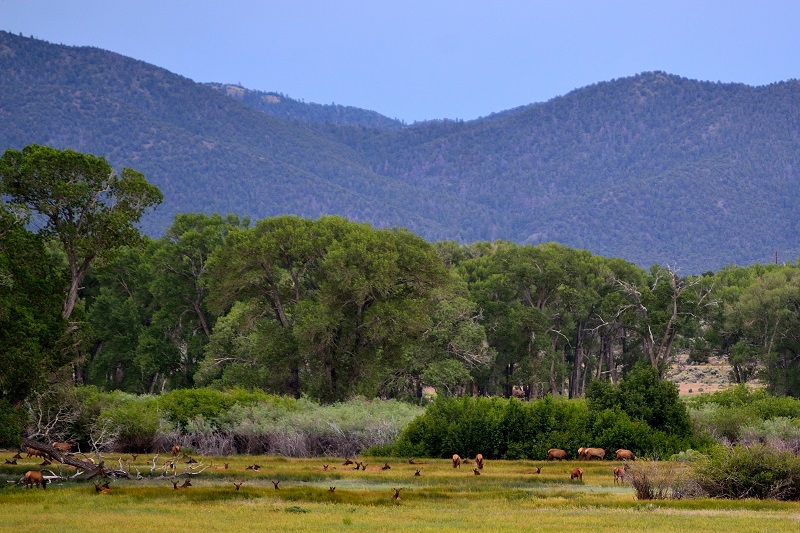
{"x": 90, "y": 469}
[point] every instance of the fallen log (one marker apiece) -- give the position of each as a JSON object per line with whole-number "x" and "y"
{"x": 90, "y": 470}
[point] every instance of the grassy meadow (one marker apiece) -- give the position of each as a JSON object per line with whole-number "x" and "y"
{"x": 507, "y": 495}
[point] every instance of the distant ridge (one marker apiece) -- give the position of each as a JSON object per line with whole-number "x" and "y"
{"x": 653, "y": 168}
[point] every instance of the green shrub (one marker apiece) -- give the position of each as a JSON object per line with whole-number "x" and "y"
{"x": 750, "y": 472}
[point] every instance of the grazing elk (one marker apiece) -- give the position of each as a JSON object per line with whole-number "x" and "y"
{"x": 479, "y": 461}
{"x": 176, "y": 450}
{"x": 577, "y": 473}
{"x": 619, "y": 475}
{"x": 456, "y": 461}
{"x": 625, "y": 455}
{"x": 554, "y": 454}
{"x": 591, "y": 453}
{"x": 34, "y": 477}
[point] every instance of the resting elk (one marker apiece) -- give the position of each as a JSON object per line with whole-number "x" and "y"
{"x": 63, "y": 447}
{"x": 577, "y": 473}
{"x": 34, "y": 477}
{"x": 556, "y": 454}
{"x": 625, "y": 455}
{"x": 456, "y": 461}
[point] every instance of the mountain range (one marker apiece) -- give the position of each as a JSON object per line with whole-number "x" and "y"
{"x": 653, "y": 168}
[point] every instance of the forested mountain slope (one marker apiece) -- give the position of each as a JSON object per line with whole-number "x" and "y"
{"x": 653, "y": 168}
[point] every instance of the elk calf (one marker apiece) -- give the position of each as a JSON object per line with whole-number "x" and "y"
{"x": 176, "y": 450}
{"x": 479, "y": 461}
{"x": 456, "y": 461}
{"x": 577, "y": 473}
{"x": 619, "y": 475}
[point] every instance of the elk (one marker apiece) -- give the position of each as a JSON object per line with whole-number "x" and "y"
{"x": 591, "y": 453}
{"x": 63, "y": 447}
{"x": 417, "y": 473}
{"x": 577, "y": 473}
{"x": 17, "y": 456}
{"x": 186, "y": 484}
{"x": 102, "y": 489}
{"x": 397, "y": 493}
{"x": 625, "y": 455}
{"x": 619, "y": 475}
{"x": 12, "y": 462}
{"x": 386, "y": 466}
{"x": 223, "y": 467}
{"x": 191, "y": 460}
{"x": 34, "y": 477}
{"x": 35, "y": 453}
{"x": 347, "y": 462}
{"x": 556, "y": 454}
{"x": 331, "y": 489}
{"x": 275, "y": 483}
{"x": 476, "y": 471}
{"x": 176, "y": 450}
{"x": 134, "y": 456}
{"x": 325, "y": 467}
{"x": 479, "y": 461}
{"x": 456, "y": 461}
{"x": 237, "y": 485}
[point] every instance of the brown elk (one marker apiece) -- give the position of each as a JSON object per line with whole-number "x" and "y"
{"x": 476, "y": 471}
{"x": 32, "y": 452}
{"x": 591, "y": 453}
{"x": 581, "y": 453}
{"x": 186, "y": 484}
{"x": 176, "y": 450}
{"x": 105, "y": 488}
{"x": 625, "y": 455}
{"x": 619, "y": 475}
{"x": 63, "y": 447}
{"x": 386, "y": 466}
{"x": 331, "y": 489}
{"x": 275, "y": 484}
{"x": 325, "y": 467}
{"x": 237, "y": 485}
{"x": 11, "y": 462}
{"x": 34, "y": 477}
{"x": 397, "y": 493}
{"x": 479, "y": 461}
{"x": 577, "y": 473}
{"x": 456, "y": 461}
{"x": 554, "y": 454}
{"x": 17, "y": 456}
{"x": 223, "y": 467}
{"x": 417, "y": 473}
{"x": 347, "y": 462}
{"x": 134, "y": 456}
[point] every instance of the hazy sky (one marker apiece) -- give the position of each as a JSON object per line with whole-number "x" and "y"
{"x": 423, "y": 59}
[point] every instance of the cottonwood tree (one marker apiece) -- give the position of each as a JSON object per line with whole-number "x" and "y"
{"x": 79, "y": 200}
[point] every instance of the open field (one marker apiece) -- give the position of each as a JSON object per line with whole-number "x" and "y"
{"x": 506, "y": 496}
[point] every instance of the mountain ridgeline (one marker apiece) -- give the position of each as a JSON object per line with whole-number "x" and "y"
{"x": 653, "y": 168}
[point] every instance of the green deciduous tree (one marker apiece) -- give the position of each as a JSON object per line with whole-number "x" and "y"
{"x": 78, "y": 200}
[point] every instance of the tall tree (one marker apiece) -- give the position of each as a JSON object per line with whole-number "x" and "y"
{"x": 79, "y": 200}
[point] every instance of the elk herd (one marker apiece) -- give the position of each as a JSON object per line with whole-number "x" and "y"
{"x": 60, "y": 450}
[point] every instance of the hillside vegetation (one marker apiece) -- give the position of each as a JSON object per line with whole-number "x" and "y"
{"x": 654, "y": 168}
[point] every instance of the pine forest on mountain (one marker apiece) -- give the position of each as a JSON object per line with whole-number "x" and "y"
{"x": 326, "y": 253}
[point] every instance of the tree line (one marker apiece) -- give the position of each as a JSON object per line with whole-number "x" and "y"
{"x": 330, "y": 308}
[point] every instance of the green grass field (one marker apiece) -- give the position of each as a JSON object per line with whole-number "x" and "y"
{"x": 506, "y": 496}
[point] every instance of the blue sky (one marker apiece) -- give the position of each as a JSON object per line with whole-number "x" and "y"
{"x": 426, "y": 59}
